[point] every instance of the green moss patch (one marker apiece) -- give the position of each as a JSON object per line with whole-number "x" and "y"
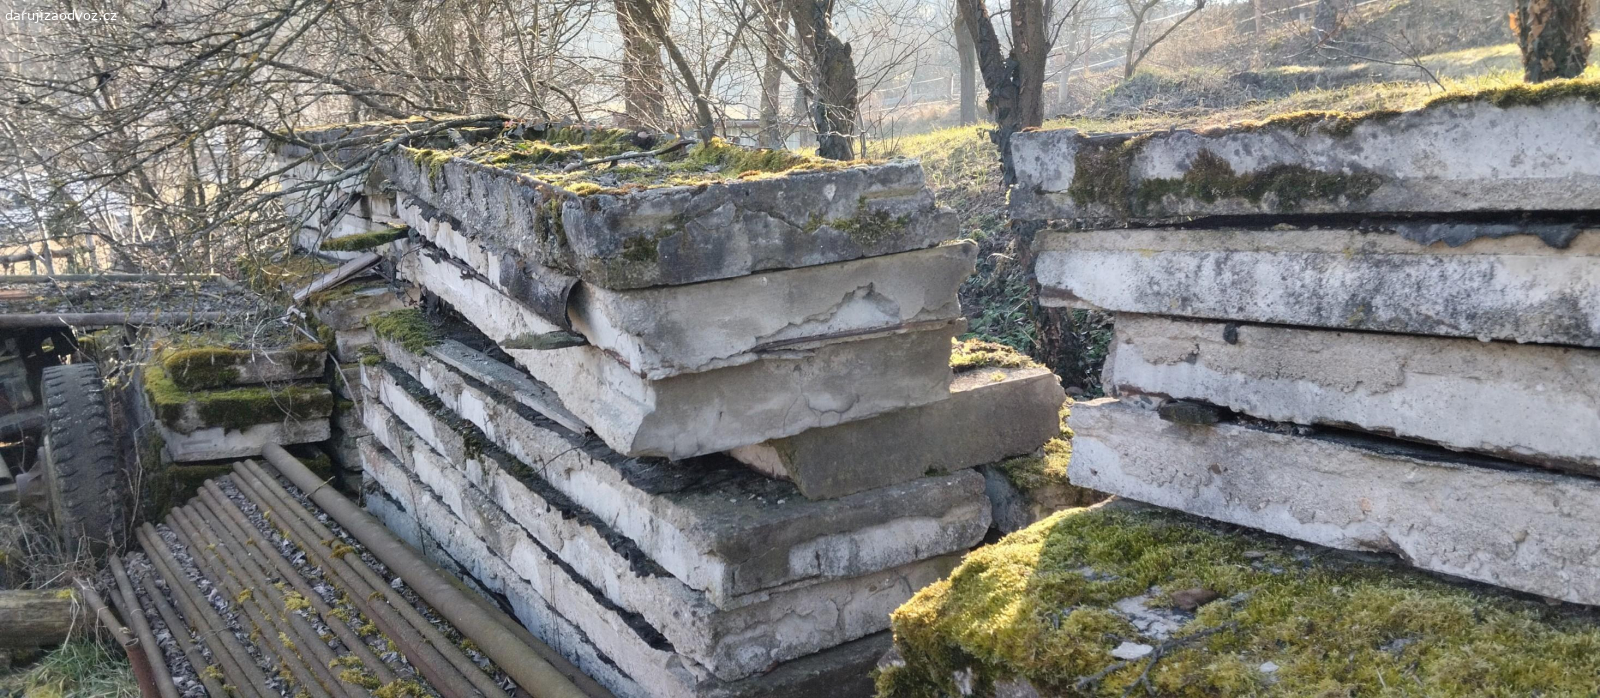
{"x": 408, "y": 327}
{"x": 211, "y": 367}
{"x": 1255, "y": 615}
{"x": 234, "y": 408}
{"x": 365, "y": 241}
{"x": 973, "y": 354}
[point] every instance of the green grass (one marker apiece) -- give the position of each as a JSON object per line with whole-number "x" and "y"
{"x": 77, "y": 669}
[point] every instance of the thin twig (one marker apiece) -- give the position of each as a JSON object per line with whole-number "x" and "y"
{"x": 663, "y": 150}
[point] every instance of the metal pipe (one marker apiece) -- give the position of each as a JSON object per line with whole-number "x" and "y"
{"x": 248, "y": 600}
{"x": 447, "y": 650}
{"x": 191, "y": 648}
{"x": 177, "y": 317}
{"x": 425, "y": 655}
{"x": 227, "y": 649}
{"x": 276, "y": 606}
{"x": 137, "y": 659}
{"x": 240, "y": 528}
{"x": 135, "y": 615}
{"x": 526, "y": 667}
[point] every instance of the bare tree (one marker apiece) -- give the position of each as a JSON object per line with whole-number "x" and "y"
{"x": 1554, "y": 37}
{"x": 1139, "y": 14}
{"x": 643, "y": 89}
{"x": 967, "y": 71}
{"x": 833, "y": 85}
{"x": 1013, "y": 75}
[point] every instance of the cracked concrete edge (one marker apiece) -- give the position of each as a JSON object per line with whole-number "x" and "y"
{"x": 726, "y": 549}
{"x": 1468, "y": 157}
{"x": 1531, "y": 531}
{"x": 732, "y": 643}
{"x": 1531, "y": 403}
{"x": 1513, "y": 289}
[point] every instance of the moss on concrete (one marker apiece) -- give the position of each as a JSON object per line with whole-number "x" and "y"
{"x": 234, "y": 408}
{"x": 1525, "y": 94}
{"x": 1047, "y": 468}
{"x": 973, "y": 354}
{"x": 1272, "y": 619}
{"x": 211, "y": 367}
{"x": 408, "y": 327}
{"x": 365, "y": 241}
{"x": 1210, "y": 179}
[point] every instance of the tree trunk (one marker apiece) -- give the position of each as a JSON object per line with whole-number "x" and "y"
{"x": 1554, "y": 36}
{"x": 643, "y": 88}
{"x": 770, "y": 131}
{"x": 833, "y": 77}
{"x": 969, "y": 72}
{"x": 1016, "y": 80}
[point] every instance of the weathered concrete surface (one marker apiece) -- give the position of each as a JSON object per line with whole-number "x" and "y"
{"x": 711, "y": 522}
{"x": 1536, "y": 404}
{"x": 325, "y": 204}
{"x": 991, "y": 414}
{"x": 537, "y": 583}
{"x": 732, "y": 643}
{"x": 665, "y": 331}
{"x": 805, "y": 386}
{"x": 346, "y": 307}
{"x": 1528, "y": 530}
{"x": 686, "y": 234}
{"x": 1015, "y": 507}
{"x": 269, "y": 365}
{"x": 215, "y": 443}
{"x": 1510, "y": 288}
{"x": 1466, "y": 157}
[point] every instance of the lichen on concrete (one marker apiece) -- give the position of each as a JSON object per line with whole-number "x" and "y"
{"x": 1244, "y": 614}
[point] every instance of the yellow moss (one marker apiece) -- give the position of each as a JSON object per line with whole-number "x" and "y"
{"x": 1037, "y": 605}
{"x": 401, "y": 688}
{"x": 973, "y": 354}
{"x": 341, "y": 614}
{"x": 283, "y": 638}
{"x": 349, "y": 661}
{"x": 368, "y": 629}
{"x": 212, "y": 671}
{"x": 245, "y": 595}
{"x": 356, "y": 677}
{"x": 340, "y": 550}
{"x": 364, "y": 241}
{"x": 295, "y": 601}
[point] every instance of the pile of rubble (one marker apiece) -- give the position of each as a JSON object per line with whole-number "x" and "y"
{"x": 1414, "y": 369}
{"x": 690, "y": 410}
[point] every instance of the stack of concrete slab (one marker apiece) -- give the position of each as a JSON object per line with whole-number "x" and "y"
{"x": 614, "y": 316}
{"x": 1370, "y": 332}
{"x": 211, "y": 400}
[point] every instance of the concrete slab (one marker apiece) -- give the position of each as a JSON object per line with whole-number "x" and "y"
{"x": 216, "y": 443}
{"x": 665, "y": 331}
{"x": 730, "y": 643}
{"x": 1463, "y": 156}
{"x": 686, "y": 234}
{"x": 806, "y": 385}
{"x": 1528, "y": 530}
{"x": 991, "y": 414}
{"x": 711, "y": 522}
{"x": 345, "y": 308}
{"x": 1535, "y": 404}
{"x": 536, "y": 581}
{"x": 1515, "y": 289}
{"x": 256, "y": 366}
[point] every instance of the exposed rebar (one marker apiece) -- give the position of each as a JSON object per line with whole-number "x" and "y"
{"x": 179, "y": 629}
{"x": 237, "y": 527}
{"x": 128, "y": 602}
{"x": 428, "y": 657}
{"x": 247, "y": 600}
{"x": 517, "y": 659}
{"x": 209, "y": 627}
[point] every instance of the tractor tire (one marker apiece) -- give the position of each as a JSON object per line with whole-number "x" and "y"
{"x": 83, "y": 477}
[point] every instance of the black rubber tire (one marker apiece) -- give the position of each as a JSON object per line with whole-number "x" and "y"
{"x": 82, "y": 473}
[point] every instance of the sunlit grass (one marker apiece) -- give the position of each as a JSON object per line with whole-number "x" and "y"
{"x": 77, "y": 669}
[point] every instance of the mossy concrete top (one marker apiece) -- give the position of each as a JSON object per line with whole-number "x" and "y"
{"x": 232, "y": 408}
{"x": 177, "y": 296}
{"x": 1124, "y": 599}
{"x": 1525, "y": 148}
{"x": 697, "y": 213}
